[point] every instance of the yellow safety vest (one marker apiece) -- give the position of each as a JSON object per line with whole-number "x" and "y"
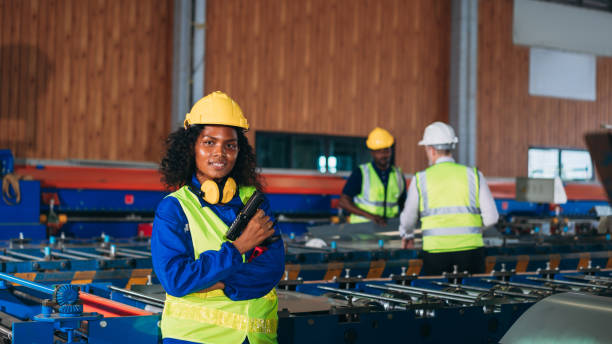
{"x": 372, "y": 196}
{"x": 449, "y": 208}
{"x": 212, "y": 317}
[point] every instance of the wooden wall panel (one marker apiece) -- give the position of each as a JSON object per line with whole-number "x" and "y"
{"x": 85, "y": 79}
{"x": 337, "y": 67}
{"x": 509, "y": 119}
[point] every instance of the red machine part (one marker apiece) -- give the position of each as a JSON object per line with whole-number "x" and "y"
{"x": 149, "y": 179}
{"x": 48, "y": 196}
{"x": 145, "y": 229}
{"x": 108, "y": 308}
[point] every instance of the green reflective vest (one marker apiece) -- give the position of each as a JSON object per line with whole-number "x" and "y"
{"x": 372, "y": 197}
{"x": 449, "y": 208}
{"x": 212, "y": 317}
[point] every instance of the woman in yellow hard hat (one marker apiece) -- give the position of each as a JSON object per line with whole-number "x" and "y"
{"x": 375, "y": 191}
{"x": 217, "y": 291}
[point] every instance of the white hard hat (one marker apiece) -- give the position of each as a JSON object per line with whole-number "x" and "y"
{"x": 437, "y": 134}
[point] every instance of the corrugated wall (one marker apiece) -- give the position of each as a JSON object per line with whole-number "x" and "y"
{"x": 509, "y": 120}
{"x": 92, "y": 79}
{"x": 85, "y": 79}
{"x": 334, "y": 67}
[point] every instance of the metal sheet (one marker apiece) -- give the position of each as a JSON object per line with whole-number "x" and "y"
{"x": 296, "y": 302}
{"x": 354, "y": 231}
{"x": 564, "y": 318}
{"x": 139, "y": 329}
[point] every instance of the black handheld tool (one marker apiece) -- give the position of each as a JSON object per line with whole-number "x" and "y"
{"x": 245, "y": 215}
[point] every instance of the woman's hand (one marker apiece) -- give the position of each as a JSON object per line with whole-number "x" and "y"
{"x": 258, "y": 229}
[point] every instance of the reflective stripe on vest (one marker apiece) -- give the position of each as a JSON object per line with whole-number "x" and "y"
{"x": 452, "y": 231}
{"x": 212, "y": 317}
{"x": 197, "y": 313}
{"x": 449, "y": 208}
{"x": 372, "y": 196}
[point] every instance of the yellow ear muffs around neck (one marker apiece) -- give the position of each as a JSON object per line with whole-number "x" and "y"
{"x": 211, "y": 193}
{"x": 229, "y": 190}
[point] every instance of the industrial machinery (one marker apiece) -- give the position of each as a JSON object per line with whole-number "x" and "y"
{"x": 83, "y": 201}
{"x": 455, "y": 307}
{"x": 127, "y": 258}
{"x": 452, "y": 308}
{"x": 36, "y": 313}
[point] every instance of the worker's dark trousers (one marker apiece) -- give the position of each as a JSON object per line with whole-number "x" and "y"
{"x": 471, "y": 260}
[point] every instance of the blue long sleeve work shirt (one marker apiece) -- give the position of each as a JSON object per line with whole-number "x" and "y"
{"x": 181, "y": 274}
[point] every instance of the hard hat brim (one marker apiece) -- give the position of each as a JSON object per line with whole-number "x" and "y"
{"x": 424, "y": 143}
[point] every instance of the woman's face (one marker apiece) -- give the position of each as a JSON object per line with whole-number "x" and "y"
{"x": 216, "y": 150}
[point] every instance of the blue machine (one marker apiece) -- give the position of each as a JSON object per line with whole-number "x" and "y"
{"x": 23, "y": 217}
{"x": 6, "y": 162}
{"x": 510, "y": 207}
{"x": 58, "y": 257}
{"x": 58, "y": 314}
{"x": 19, "y": 219}
{"x": 453, "y": 308}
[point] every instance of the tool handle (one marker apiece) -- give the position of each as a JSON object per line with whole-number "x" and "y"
{"x": 245, "y": 215}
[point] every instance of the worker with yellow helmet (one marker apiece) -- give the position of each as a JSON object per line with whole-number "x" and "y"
{"x": 375, "y": 191}
{"x": 452, "y": 202}
{"x": 217, "y": 291}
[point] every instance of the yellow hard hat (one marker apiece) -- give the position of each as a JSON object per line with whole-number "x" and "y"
{"x": 379, "y": 138}
{"x": 216, "y": 108}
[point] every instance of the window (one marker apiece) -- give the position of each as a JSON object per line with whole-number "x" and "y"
{"x": 569, "y": 164}
{"x": 324, "y": 153}
{"x": 543, "y": 162}
{"x": 576, "y": 165}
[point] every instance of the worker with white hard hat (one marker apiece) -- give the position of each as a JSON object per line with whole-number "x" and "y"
{"x": 453, "y": 203}
{"x": 375, "y": 191}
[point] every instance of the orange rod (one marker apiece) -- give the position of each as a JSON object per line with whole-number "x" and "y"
{"x": 108, "y": 308}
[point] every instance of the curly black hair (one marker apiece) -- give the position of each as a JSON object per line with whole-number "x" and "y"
{"x": 178, "y": 165}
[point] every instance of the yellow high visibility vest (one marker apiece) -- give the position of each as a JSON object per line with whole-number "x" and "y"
{"x": 449, "y": 208}
{"x": 372, "y": 196}
{"x": 212, "y": 317}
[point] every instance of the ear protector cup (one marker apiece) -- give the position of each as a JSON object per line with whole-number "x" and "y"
{"x": 229, "y": 190}
{"x": 211, "y": 193}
